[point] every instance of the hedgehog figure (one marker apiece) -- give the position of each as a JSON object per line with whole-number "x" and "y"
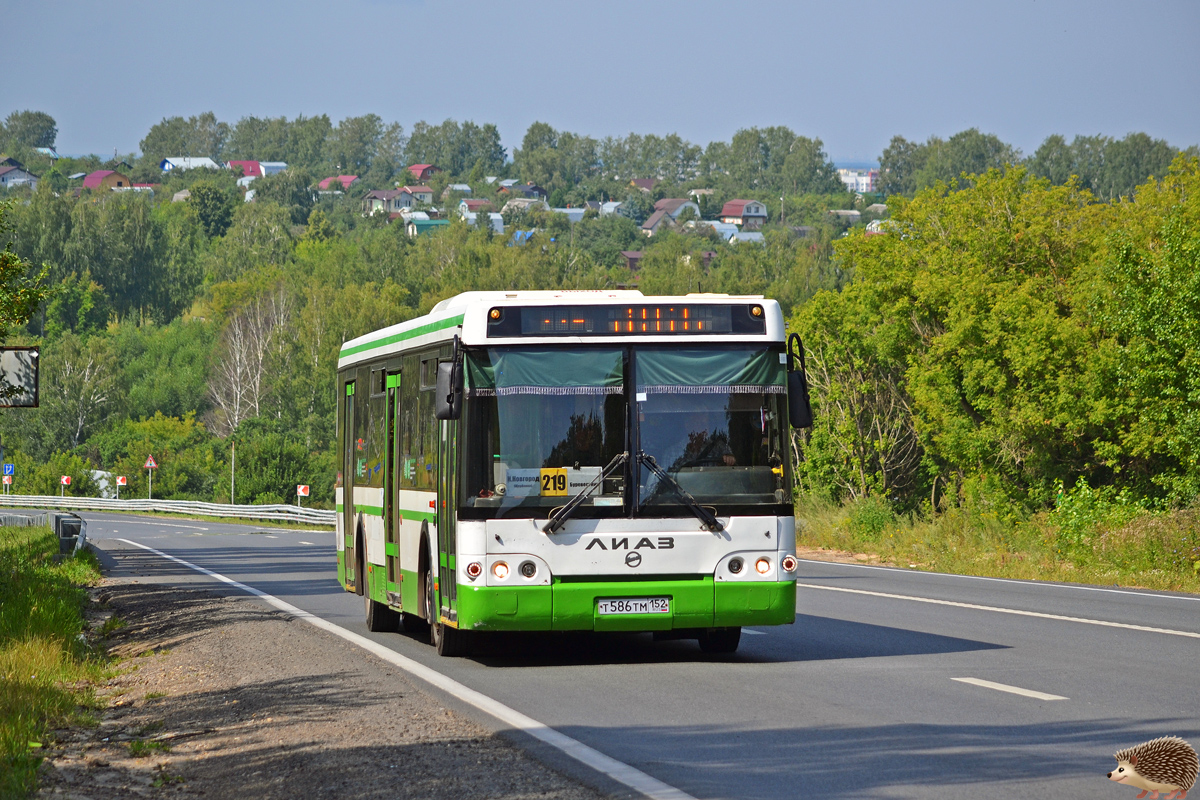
{"x": 1166, "y": 765}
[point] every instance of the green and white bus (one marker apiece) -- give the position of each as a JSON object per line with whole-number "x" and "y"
{"x": 567, "y": 461}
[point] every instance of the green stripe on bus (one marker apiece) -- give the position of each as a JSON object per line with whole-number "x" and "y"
{"x": 420, "y": 330}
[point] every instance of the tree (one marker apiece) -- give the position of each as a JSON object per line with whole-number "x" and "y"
{"x": 30, "y": 129}
{"x": 1131, "y": 161}
{"x": 808, "y": 170}
{"x": 22, "y": 290}
{"x": 1054, "y": 160}
{"x": 214, "y": 207}
{"x": 199, "y": 136}
{"x": 899, "y": 165}
{"x": 966, "y": 152}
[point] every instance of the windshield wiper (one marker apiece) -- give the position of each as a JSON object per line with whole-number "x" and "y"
{"x": 558, "y": 517}
{"x": 711, "y": 523}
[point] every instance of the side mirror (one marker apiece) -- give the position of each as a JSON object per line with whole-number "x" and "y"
{"x": 448, "y": 395}
{"x": 799, "y": 407}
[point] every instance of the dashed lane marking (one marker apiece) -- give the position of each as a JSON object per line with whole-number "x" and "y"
{"x": 1004, "y": 687}
{"x": 1000, "y": 610}
{"x": 617, "y": 770}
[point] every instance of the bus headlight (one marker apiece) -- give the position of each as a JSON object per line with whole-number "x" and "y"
{"x": 500, "y": 570}
{"x": 474, "y": 570}
{"x": 789, "y": 563}
{"x": 763, "y": 565}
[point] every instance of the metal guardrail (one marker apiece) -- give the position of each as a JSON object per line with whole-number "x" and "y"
{"x": 277, "y": 513}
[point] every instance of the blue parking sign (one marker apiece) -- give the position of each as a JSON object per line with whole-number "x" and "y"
{"x": 10, "y": 469}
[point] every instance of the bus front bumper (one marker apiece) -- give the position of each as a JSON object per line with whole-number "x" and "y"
{"x": 574, "y": 606}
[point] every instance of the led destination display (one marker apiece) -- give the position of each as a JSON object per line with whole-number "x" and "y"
{"x": 639, "y": 319}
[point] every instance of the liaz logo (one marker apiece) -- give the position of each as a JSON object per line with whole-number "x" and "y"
{"x": 664, "y": 543}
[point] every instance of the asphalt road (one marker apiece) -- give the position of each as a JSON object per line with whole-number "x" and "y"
{"x": 861, "y": 697}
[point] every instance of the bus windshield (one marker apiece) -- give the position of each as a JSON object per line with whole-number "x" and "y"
{"x": 542, "y": 423}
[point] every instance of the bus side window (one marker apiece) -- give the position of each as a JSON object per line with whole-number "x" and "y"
{"x": 410, "y": 445}
{"x": 361, "y": 432}
{"x": 426, "y": 477}
{"x": 377, "y": 432}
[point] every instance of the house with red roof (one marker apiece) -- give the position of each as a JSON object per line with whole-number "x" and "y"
{"x": 674, "y": 206}
{"x": 106, "y": 179}
{"x": 250, "y": 169}
{"x": 346, "y": 181}
{"x": 472, "y": 205}
{"x": 750, "y": 215}
{"x": 423, "y": 172}
{"x": 419, "y": 194}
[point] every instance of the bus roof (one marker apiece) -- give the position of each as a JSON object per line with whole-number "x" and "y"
{"x": 466, "y": 315}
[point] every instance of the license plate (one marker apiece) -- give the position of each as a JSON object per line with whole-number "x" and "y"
{"x": 635, "y": 605}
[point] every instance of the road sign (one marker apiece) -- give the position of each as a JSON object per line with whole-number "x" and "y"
{"x": 151, "y": 463}
{"x": 302, "y": 490}
{"x": 10, "y": 469}
{"x": 122, "y": 480}
{"x": 65, "y": 480}
{"x": 8, "y": 480}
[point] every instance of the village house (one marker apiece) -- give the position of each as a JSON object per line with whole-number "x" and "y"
{"x": 344, "y": 181}
{"x": 473, "y": 205}
{"x": 519, "y": 204}
{"x": 250, "y": 169}
{"x": 496, "y": 220}
{"x": 460, "y": 188}
{"x": 419, "y": 194}
{"x": 674, "y": 206}
{"x": 656, "y": 222}
{"x": 16, "y": 175}
{"x": 187, "y": 162}
{"x": 749, "y": 215}
{"x": 103, "y": 180}
{"x": 423, "y": 172}
{"x": 419, "y": 227}
{"x": 645, "y": 184}
{"x": 524, "y": 190}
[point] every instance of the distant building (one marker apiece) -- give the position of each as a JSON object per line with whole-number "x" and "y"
{"x": 470, "y": 205}
{"x": 187, "y": 162}
{"x": 106, "y": 179}
{"x": 645, "y": 184}
{"x": 849, "y": 215}
{"x": 495, "y": 219}
{"x": 381, "y": 201}
{"x": 421, "y": 227}
{"x": 675, "y": 206}
{"x": 723, "y": 229}
{"x": 747, "y": 236}
{"x": 519, "y": 204}
{"x": 272, "y": 167}
{"x": 612, "y": 207}
{"x": 746, "y": 214}
{"x": 423, "y": 172}
{"x": 182, "y": 196}
{"x": 524, "y": 190}
{"x": 48, "y": 152}
{"x": 344, "y": 181}
{"x": 859, "y": 180}
{"x": 878, "y": 209}
{"x": 656, "y": 222}
{"x": 572, "y": 214}
{"x": 419, "y": 194}
{"x": 632, "y": 257}
{"x": 508, "y": 182}
{"x": 11, "y": 177}
{"x": 250, "y": 169}
{"x": 461, "y": 188}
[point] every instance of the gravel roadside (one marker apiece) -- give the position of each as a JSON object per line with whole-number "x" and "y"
{"x": 220, "y": 697}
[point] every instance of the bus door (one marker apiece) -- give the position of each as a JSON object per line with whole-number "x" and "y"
{"x": 392, "y": 516}
{"x": 447, "y": 517}
{"x": 349, "y": 553}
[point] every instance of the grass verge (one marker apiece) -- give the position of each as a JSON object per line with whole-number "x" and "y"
{"x": 44, "y": 661}
{"x": 1083, "y": 540}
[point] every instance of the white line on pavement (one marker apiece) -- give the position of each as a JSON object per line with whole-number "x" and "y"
{"x": 145, "y": 522}
{"x": 1004, "y": 687}
{"x": 1039, "y": 584}
{"x": 304, "y": 542}
{"x": 1000, "y": 610}
{"x": 755, "y": 633}
{"x": 617, "y": 770}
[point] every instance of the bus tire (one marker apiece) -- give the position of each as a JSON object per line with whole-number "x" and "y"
{"x": 380, "y": 617}
{"x": 413, "y": 623}
{"x": 449, "y": 642}
{"x": 720, "y": 640}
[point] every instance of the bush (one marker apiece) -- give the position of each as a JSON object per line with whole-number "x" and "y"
{"x": 869, "y": 518}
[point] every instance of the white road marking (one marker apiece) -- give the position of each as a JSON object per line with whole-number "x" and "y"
{"x": 1039, "y": 584}
{"x": 756, "y": 633}
{"x": 304, "y": 542}
{"x": 144, "y": 522}
{"x": 1004, "y": 687}
{"x": 617, "y": 770}
{"x": 1000, "y": 610}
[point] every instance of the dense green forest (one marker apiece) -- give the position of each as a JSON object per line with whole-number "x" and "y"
{"x": 1021, "y": 324}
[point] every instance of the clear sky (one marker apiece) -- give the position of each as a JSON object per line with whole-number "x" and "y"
{"x": 853, "y": 74}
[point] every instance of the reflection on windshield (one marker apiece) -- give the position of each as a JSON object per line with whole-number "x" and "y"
{"x": 714, "y": 419}
{"x": 542, "y": 425}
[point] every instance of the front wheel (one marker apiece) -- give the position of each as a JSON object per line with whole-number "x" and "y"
{"x": 720, "y": 640}
{"x": 449, "y": 641}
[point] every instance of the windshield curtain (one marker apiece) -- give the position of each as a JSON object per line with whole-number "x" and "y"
{"x": 714, "y": 420}
{"x": 542, "y": 424}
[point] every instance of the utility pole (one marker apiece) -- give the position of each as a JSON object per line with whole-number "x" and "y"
{"x": 232, "y": 467}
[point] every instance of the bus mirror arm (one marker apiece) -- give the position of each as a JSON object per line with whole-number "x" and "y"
{"x": 799, "y": 407}
{"x": 702, "y": 513}
{"x": 449, "y": 392}
{"x": 558, "y": 517}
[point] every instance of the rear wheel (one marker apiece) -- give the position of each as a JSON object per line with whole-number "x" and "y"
{"x": 720, "y": 640}
{"x": 449, "y": 641}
